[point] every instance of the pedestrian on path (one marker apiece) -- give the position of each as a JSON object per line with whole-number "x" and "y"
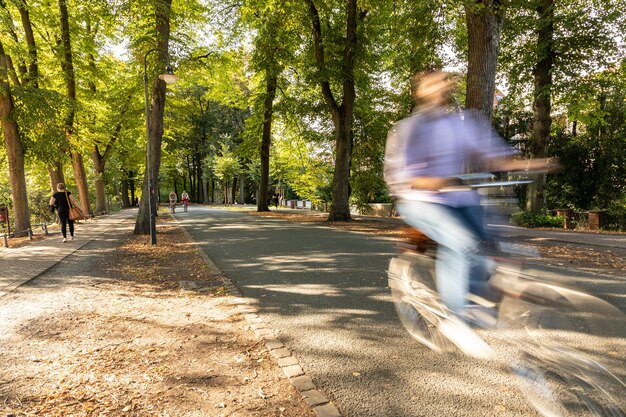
{"x": 61, "y": 201}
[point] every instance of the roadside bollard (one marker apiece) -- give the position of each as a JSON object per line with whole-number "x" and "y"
{"x": 6, "y": 241}
{"x": 45, "y": 229}
{"x": 30, "y": 234}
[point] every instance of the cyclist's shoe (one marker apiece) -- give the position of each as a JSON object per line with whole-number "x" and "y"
{"x": 465, "y": 339}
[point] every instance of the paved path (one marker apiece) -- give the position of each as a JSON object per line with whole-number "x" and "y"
{"x": 582, "y": 238}
{"x": 324, "y": 292}
{"x": 20, "y": 265}
{"x": 568, "y": 236}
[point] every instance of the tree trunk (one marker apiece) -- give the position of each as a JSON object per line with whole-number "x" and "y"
{"x": 266, "y": 142}
{"x": 542, "y": 121}
{"x": 340, "y": 209}
{"x": 100, "y": 159}
{"x": 199, "y": 187}
{"x": 14, "y": 149}
{"x": 81, "y": 181}
{"x": 70, "y": 82}
{"x": 191, "y": 172}
{"x": 142, "y": 225}
{"x": 131, "y": 185}
{"x": 99, "y": 163}
{"x": 484, "y": 24}
{"x": 32, "y": 78}
{"x": 342, "y": 115}
{"x": 55, "y": 171}
{"x": 126, "y": 202}
{"x": 242, "y": 188}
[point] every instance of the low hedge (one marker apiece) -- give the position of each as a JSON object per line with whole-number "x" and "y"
{"x": 526, "y": 219}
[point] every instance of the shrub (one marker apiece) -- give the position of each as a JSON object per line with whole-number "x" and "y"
{"x": 526, "y": 219}
{"x": 616, "y": 216}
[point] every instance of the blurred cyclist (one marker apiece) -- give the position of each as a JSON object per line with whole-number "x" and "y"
{"x": 173, "y": 198}
{"x": 424, "y": 156}
{"x": 184, "y": 198}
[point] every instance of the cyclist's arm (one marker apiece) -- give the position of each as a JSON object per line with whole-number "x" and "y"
{"x": 510, "y": 164}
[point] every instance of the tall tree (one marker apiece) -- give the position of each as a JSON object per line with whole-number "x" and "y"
{"x": 266, "y": 141}
{"x": 70, "y": 82}
{"x": 156, "y": 110}
{"x": 342, "y": 114}
{"x": 484, "y": 25}
{"x": 29, "y": 71}
{"x": 542, "y": 118}
{"x": 100, "y": 158}
{"x": 272, "y": 22}
{"x": 15, "y": 151}
{"x": 549, "y": 48}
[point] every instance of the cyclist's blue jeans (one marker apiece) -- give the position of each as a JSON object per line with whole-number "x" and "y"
{"x": 459, "y": 232}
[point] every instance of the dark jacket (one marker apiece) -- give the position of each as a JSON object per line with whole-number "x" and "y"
{"x": 61, "y": 202}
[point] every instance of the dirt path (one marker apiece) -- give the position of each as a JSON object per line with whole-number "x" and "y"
{"x": 109, "y": 332}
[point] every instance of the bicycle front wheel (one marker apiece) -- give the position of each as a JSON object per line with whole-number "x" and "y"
{"x": 419, "y": 308}
{"x": 560, "y": 382}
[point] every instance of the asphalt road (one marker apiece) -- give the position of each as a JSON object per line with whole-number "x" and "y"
{"x": 325, "y": 294}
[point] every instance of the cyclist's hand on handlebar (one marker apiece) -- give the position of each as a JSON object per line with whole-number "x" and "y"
{"x": 433, "y": 183}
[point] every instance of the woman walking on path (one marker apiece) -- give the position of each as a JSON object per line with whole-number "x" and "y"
{"x": 61, "y": 200}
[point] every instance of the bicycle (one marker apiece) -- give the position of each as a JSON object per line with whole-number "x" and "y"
{"x": 185, "y": 205}
{"x": 172, "y": 207}
{"x": 525, "y": 303}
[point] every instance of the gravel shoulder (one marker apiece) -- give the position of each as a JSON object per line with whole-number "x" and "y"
{"x": 112, "y": 330}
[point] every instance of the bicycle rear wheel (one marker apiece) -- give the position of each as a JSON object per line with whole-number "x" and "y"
{"x": 411, "y": 279}
{"x": 558, "y": 374}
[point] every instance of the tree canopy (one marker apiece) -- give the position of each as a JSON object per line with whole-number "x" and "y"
{"x": 294, "y": 95}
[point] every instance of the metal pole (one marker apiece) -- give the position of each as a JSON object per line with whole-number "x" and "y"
{"x": 151, "y": 201}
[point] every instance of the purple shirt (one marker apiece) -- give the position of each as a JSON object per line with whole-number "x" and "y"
{"x": 443, "y": 145}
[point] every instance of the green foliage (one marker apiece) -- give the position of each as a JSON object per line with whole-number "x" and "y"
{"x": 223, "y": 52}
{"x": 593, "y": 158}
{"x": 304, "y": 166}
{"x": 615, "y": 218}
{"x": 226, "y": 166}
{"x": 370, "y": 135}
{"x": 39, "y": 113}
{"x": 526, "y": 219}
